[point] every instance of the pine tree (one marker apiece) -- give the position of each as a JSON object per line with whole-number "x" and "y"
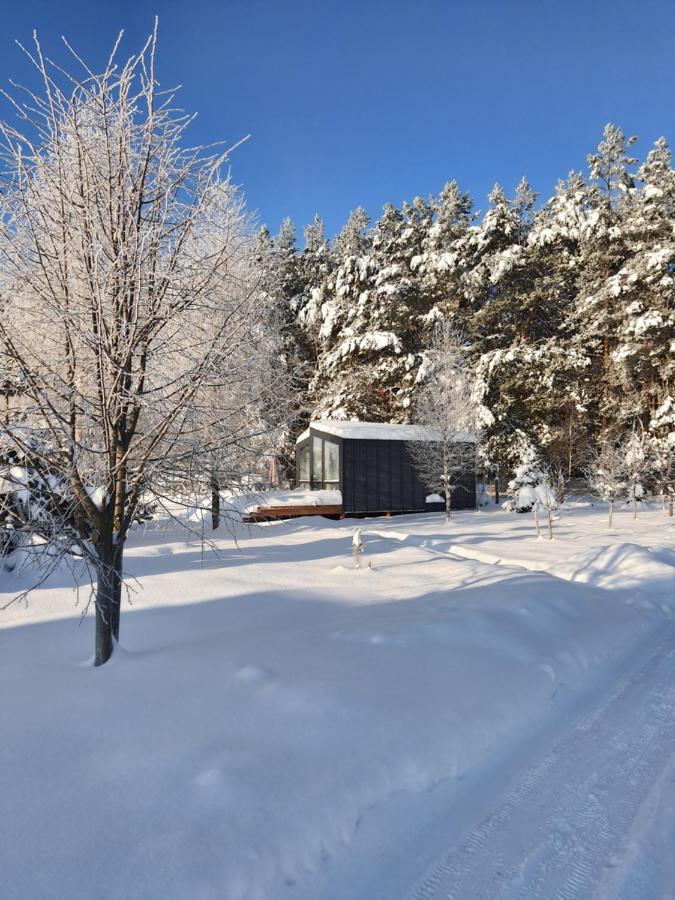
{"x": 645, "y": 287}
{"x": 367, "y": 363}
{"x": 528, "y": 477}
{"x": 604, "y": 251}
{"x": 353, "y": 239}
{"x": 440, "y": 264}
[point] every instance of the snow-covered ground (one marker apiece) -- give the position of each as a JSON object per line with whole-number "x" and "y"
{"x": 476, "y": 714}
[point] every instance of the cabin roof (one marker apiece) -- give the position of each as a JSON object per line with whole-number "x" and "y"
{"x": 379, "y": 431}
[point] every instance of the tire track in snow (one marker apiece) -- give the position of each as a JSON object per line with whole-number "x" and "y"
{"x": 565, "y": 823}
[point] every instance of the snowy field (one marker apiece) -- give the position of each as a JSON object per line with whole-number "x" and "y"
{"x": 476, "y": 714}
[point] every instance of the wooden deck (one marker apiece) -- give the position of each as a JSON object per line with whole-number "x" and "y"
{"x": 265, "y": 513}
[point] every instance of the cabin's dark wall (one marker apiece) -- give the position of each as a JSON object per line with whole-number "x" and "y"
{"x": 379, "y": 477}
{"x": 464, "y": 494}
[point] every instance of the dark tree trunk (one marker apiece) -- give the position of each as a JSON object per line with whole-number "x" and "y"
{"x": 117, "y": 594}
{"x": 108, "y": 600}
{"x": 215, "y": 505}
{"x": 446, "y": 482}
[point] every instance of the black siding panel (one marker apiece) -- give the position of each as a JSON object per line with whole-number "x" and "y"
{"x": 360, "y": 476}
{"x": 396, "y": 487}
{"x": 379, "y": 477}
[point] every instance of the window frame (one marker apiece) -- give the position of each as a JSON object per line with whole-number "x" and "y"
{"x": 304, "y": 449}
{"x": 318, "y": 462}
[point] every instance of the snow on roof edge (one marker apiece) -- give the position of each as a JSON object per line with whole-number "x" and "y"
{"x": 381, "y": 431}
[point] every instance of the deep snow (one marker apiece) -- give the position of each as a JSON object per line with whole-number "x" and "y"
{"x": 278, "y": 724}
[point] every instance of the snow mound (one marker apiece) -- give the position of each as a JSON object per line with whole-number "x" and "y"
{"x": 622, "y": 566}
{"x": 625, "y": 566}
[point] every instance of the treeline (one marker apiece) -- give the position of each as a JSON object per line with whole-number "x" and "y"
{"x": 568, "y": 307}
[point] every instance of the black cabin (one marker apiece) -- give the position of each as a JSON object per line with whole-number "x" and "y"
{"x": 370, "y": 464}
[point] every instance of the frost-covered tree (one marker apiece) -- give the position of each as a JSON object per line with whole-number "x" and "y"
{"x": 606, "y": 473}
{"x": 638, "y": 468}
{"x": 119, "y": 301}
{"x": 547, "y": 498}
{"x": 239, "y": 418}
{"x": 447, "y": 408}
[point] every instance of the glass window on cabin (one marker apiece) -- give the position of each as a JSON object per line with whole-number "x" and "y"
{"x": 317, "y": 461}
{"x": 303, "y": 466}
{"x": 331, "y": 475}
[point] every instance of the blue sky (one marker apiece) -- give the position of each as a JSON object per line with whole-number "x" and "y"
{"x": 356, "y": 103}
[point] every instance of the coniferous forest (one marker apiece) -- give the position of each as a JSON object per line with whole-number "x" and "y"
{"x": 566, "y": 306}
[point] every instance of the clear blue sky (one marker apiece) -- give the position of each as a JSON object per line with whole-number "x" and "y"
{"x": 355, "y": 103}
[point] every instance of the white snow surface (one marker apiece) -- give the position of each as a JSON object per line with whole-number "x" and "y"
{"x": 380, "y": 431}
{"x": 296, "y": 497}
{"x": 278, "y": 724}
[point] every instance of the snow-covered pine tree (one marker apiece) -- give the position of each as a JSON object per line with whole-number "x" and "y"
{"x": 315, "y": 266}
{"x": 604, "y": 251}
{"x": 531, "y": 488}
{"x": 367, "y": 362}
{"x": 529, "y": 380}
{"x": 353, "y": 239}
{"x": 440, "y": 266}
{"x": 513, "y": 314}
{"x": 643, "y": 355}
{"x": 661, "y": 442}
{"x": 528, "y": 476}
{"x": 562, "y": 423}
{"x": 286, "y": 275}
